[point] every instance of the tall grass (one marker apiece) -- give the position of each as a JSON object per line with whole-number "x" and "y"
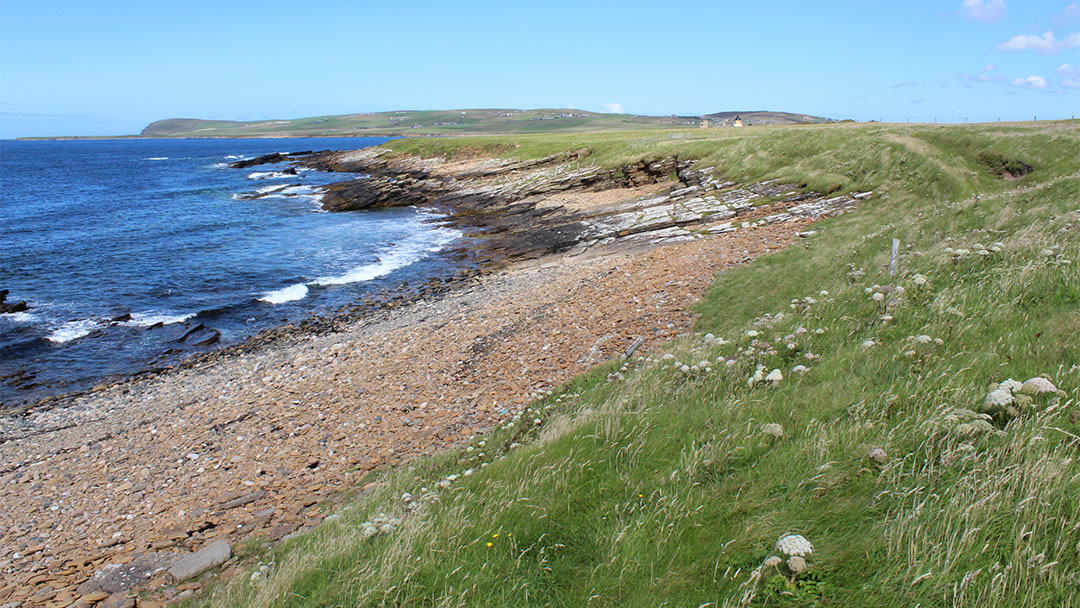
{"x": 662, "y": 488}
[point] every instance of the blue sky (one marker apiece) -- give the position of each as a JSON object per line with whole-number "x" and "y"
{"x": 111, "y": 67}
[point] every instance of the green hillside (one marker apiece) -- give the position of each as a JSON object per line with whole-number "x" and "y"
{"x": 441, "y": 122}
{"x": 889, "y": 453}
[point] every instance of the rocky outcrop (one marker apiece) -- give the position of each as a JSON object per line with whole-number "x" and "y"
{"x": 502, "y": 203}
{"x": 7, "y": 308}
{"x": 276, "y": 157}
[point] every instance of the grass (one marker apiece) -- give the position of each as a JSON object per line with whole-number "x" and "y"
{"x": 662, "y": 490}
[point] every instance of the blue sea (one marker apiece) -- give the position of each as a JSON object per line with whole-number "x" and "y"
{"x": 124, "y": 248}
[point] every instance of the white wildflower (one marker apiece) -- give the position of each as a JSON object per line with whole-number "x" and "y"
{"x": 752, "y": 333}
{"x": 1038, "y": 385}
{"x": 773, "y": 429}
{"x": 823, "y": 293}
{"x": 772, "y": 562}
{"x": 867, "y": 344}
{"x": 1010, "y": 385}
{"x": 1046, "y": 253}
{"x": 796, "y": 564}
{"x": 819, "y": 331}
{"x": 923, "y": 339}
{"x": 774, "y": 377}
{"x": 801, "y": 331}
{"x": 794, "y": 544}
{"x": 919, "y": 280}
{"x": 878, "y": 297}
{"x": 800, "y": 369}
{"x": 999, "y": 398}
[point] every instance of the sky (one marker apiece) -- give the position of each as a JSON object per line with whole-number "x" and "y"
{"x": 112, "y": 67}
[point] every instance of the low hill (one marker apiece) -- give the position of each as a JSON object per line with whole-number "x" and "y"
{"x": 765, "y": 117}
{"x": 446, "y": 122}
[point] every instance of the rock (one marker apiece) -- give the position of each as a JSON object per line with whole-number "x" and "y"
{"x": 243, "y": 500}
{"x": 200, "y": 335}
{"x": 117, "y": 578}
{"x": 6, "y": 308}
{"x": 121, "y": 318}
{"x": 210, "y": 556}
{"x": 276, "y": 157}
{"x": 118, "y": 600}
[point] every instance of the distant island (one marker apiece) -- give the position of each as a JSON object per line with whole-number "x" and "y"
{"x": 472, "y": 122}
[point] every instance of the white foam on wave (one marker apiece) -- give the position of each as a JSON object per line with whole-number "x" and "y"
{"x": 268, "y": 175}
{"x": 408, "y": 252}
{"x": 286, "y": 294}
{"x": 146, "y": 319}
{"x": 20, "y": 317}
{"x": 73, "y": 330}
{"x": 233, "y": 157}
{"x": 157, "y": 158}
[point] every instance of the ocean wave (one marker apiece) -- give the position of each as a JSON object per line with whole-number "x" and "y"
{"x": 269, "y": 175}
{"x": 73, "y": 330}
{"x": 408, "y": 252}
{"x": 146, "y": 319}
{"x": 286, "y": 294}
{"x": 233, "y": 157}
{"x": 157, "y": 158}
{"x": 20, "y": 317}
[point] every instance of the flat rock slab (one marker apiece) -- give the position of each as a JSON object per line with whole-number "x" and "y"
{"x": 116, "y": 578}
{"x": 210, "y": 556}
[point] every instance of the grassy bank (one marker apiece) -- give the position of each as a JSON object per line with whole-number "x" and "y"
{"x": 667, "y": 480}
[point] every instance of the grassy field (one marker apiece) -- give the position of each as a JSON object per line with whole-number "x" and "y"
{"x": 440, "y": 122}
{"x": 670, "y": 483}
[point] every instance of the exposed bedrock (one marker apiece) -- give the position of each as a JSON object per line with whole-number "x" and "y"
{"x": 505, "y": 205}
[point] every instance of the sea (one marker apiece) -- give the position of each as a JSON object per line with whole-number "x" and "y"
{"x": 134, "y": 254}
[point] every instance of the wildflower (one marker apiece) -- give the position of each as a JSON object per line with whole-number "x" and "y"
{"x": 752, "y": 333}
{"x": 999, "y": 398}
{"x": 1046, "y": 253}
{"x": 773, "y": 429}
{"x": 774, "y": 377}
{"x": 867, "y": 344}
{"x": 490, "y": 544}
{"x": 878, "y": 297}
{"x": 819, "y": 331}
{"x": 759, "y": 375}
{"x": 878, "y": 455}
{"x": 919, "y": 280}
{"x": 923, "y": 339}
{"x": 796, "y": 564}
{"x": 801, "y": 331}
{"x": 800, "y": 369}
{"x": 1010, "y": 385}
{"x": 886, "y": 318}
{"x": 794, "y": 544}
{"x": 823, "y": 293}
{"x": 772, "y": 562}
{"x": 1039, "y": 386}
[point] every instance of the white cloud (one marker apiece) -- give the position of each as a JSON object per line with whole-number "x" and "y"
{"x": 1069, "y": 76}
{"x": 1031, "y": 82}
{"x": 614, "y": 108}
{"x": 984, "y": 10}
{"x": 1046, "y": 44}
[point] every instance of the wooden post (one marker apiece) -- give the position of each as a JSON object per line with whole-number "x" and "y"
{"x": 894, "y": 257}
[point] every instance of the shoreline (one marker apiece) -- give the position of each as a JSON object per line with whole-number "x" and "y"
{"x": 250, "y": 444}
